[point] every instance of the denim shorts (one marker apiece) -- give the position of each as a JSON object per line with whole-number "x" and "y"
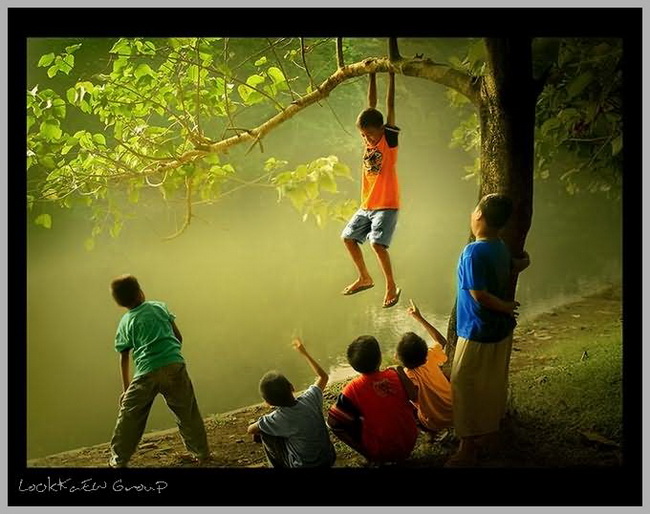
{"x": 377, "y": 226}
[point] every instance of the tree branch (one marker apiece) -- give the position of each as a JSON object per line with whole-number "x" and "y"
{"x": 339, "y": 52}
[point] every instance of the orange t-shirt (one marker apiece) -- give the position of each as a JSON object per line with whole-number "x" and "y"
{"x": 389, "y": 431}
{"x": 434, "y": 390}
{"x": 379, "y": 186}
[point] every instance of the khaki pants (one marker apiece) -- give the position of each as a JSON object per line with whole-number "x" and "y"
{"x": 479, "y": 385}
{"x": 173, "y": 382}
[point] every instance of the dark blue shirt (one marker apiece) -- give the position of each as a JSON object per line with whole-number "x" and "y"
{"x": 483, "y": 265}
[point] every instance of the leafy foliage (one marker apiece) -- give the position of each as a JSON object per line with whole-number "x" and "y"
{"x": 148, "y": 117}
{"x": 579, "y": 134}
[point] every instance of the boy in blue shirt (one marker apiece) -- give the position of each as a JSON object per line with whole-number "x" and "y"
{"x": 148, "y": 329}
{"x": 294, "y": 435}
{"x": 485, "y": 320}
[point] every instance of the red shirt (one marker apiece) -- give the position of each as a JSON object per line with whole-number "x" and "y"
{"x": 389, "y": 430}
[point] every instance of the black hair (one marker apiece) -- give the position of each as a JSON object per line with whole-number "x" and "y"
{"x": 276, "y": 389}
{"x": 370, "y": 118}
{"x": 412, "y": 350}
{"x": 364, "y": 354}
{"x": 496, "y": 209}
{"x": 125, "y": 290}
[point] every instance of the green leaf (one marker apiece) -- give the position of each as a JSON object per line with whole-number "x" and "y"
{"x": 283, "y": 178}
{"x": 312, "y": 190}
{"x": 69, "y": 64}
{"x": 122, "y": 46}
{"x": 260, "y": 61}
{"x": 301, "y": 172}
{"x": 579, "y": 84}
{"x": 50, "y": 130}
{"x": 212, "y": 158}
{"x": 327, "y": 183}
{"x": 53, "y": 70}
{"x": 255, "y": 80}
{"x": 341, "y": 170}
{"x": 71, "y": 95}
{"x": 144, "y": 69}
{"x": 550, "y": 124}
{"x": 277, "y": 77}
{"x": 99, "y": 139}
{"x": 46, "y": 60}
{"x": 58, "y": 107}
{"x": 244, "y": 92}
{"x": 44, "y": 220}
{"x": 73, "y": 48}
{"x": 617, "y": 144}
{"x": 298, "y": 197}
{"x": 193, "y": 73}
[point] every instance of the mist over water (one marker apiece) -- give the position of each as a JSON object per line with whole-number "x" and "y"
{"x": 248, "y": 274}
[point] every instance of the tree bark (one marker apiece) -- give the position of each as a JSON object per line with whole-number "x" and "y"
{"x": 506, "y": 108}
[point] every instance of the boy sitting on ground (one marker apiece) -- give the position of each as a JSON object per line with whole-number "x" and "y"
{"x": 294, "y": 435}
{"x": 373, "y": 415}
{"x": 422, "y": 366}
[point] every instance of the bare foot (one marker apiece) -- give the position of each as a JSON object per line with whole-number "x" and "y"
{"x": 358, "y": 285}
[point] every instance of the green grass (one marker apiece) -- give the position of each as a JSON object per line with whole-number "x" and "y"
{"x": 567, "y": 410}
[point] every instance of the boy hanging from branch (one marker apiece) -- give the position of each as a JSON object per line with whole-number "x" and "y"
{"x": 377, "y": 216}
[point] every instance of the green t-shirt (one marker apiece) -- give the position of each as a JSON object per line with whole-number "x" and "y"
{"x": 147, "y": 331}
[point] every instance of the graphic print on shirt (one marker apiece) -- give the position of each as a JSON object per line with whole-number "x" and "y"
{"x": 383, "y": 387}
{"x": 372, "y": 160}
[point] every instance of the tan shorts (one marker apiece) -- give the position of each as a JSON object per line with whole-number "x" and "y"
{"x": 479, "y": 385}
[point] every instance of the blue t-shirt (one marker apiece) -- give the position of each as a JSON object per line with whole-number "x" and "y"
{"x": 303, "y": 426}
{"x": 147, "y": 331}
{"x": 483, "y": 265}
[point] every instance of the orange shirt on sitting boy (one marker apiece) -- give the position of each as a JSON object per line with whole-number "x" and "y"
{"x": 379, "y": 185}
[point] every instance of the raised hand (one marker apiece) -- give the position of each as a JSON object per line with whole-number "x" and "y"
{"x": 298, "y": 345}
{"x": 413, "y": 310}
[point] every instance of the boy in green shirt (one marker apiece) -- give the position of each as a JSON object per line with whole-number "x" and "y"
{"x": 149, "y": 330}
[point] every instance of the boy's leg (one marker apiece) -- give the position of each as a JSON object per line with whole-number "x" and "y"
{"x": 176, "y": 388}
{"x": 353, "y": 235}
{"x": 384, "y": 260}
{"x": 276, "y": 451}
{"x": 350, "y": 438}
{"x": 382, "y": 229}
{"x": 132, "y": 419}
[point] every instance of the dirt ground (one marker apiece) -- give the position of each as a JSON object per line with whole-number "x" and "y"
{"x": 233, "y": 448}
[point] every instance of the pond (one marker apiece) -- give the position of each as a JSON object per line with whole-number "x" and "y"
{"x": 248, "y": 275}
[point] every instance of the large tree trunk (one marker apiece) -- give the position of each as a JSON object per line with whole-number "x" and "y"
{"x": 506, "y": 108}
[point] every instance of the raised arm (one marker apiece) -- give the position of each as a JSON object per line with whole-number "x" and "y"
{"x": 322, "y": 375}
{"x": 372, "y": 91}
{"x": 433, "y": 331}
{"x": 390, "y": 100}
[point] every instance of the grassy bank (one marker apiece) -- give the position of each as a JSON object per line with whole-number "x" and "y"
{"x": 565, "y": 406}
